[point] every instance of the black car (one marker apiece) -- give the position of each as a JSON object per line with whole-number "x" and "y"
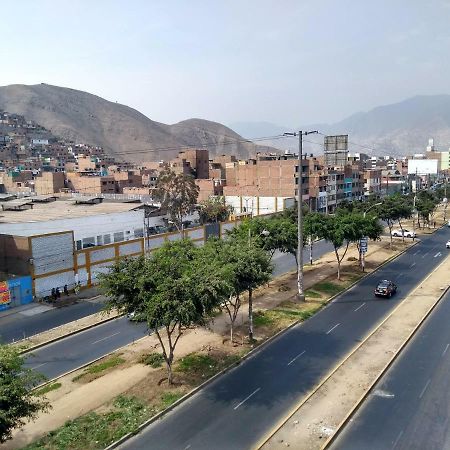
{"x": 385, "y": 288}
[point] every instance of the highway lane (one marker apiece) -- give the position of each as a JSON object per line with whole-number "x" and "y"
{"x": 237, "y": 409}
{"x": 13, "y": 328}
{"x": 409, "y": 408}
{"x": 19, "y": 326}
{"x": 55, "y": 359}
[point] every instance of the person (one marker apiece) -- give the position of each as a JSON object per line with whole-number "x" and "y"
{"x": 53, "y": 294}
{"x": 58, "y": 292}
{"x": 66, "y": 291}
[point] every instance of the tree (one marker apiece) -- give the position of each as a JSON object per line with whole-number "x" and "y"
{"x": 214, "y": 210}
{"x": 394, "y": 208}
{"x": 426, "y": 204}
{"x": 174, "y": 292}
{"x": 177, "y": 193}
{"x": 17, "y": 402}
{"x": 313, "y": 228}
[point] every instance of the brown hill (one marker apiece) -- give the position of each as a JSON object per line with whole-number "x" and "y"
{"x": 122, "y": 131}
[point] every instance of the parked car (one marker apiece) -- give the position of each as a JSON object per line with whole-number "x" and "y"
{"x": 406, "y": 233}
{"x": 447, "y": 244}
{"x": 385, "y": 288}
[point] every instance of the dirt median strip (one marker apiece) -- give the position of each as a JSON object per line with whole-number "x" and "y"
{"x": 320, "y": 414}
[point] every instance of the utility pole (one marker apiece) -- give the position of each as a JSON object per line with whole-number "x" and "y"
{"x": 300, "y": 284}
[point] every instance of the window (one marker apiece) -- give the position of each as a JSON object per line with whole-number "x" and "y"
{"x": 106, "y": 239}
{"x": 100, "y": 240}
{"x": 89, "y": 242}
{"x": 79, "y": 245}
{"x": 138, "y": 232}
{"x": 119, "y": 236}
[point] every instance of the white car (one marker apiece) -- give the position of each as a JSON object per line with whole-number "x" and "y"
{"x": 447, "y": 244}
{"x": 406, "y": 233}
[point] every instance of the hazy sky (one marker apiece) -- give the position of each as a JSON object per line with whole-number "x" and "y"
{"x": 286, "y": 62}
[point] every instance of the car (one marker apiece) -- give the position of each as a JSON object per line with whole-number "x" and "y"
{"x": 405, "y": 233}
{"x": 385, "y": 288}
{"x": 447, "y": 244}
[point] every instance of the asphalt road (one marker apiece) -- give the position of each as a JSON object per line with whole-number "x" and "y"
{"x": 409, "y": 408}
{"x": 18, "y": 326}
{"x": 55, "y": 359}
{"x": 239, "y": 408}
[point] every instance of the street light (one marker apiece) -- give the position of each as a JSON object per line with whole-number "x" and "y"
{"x": 300, "y": 287}
{"x": 370, "y": 207}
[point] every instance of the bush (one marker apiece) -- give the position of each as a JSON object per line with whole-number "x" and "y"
{"x": 154, "y": 360}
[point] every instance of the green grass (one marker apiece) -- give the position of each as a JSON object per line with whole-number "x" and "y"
{"x": 202, "y": 366}
{"x": 260, "y": 319}
{"x": 310, "y": 293}
{"x": 96, "y": 431}
{"x": 170, "y": 397}
{"x": 101, "y": 367}
{"x": 48, "y": 388}
{"x": 327, "y": 287}
{"x": 154, "y": 360}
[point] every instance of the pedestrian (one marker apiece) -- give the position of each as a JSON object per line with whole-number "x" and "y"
{"x": 53, "y": 294}
{"x": 58, "y": 292}
{"x": 434, "y": 224}
{"x": 66, "y": 291}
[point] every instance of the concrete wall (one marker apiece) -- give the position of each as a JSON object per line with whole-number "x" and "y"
{"x": 15, "y": 254}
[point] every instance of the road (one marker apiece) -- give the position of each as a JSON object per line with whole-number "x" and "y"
{"x": 409, "y": 407}
{"x": 18, "y": 326}
{"x": 239, "y": 408}
{"x": 67, "y": 354}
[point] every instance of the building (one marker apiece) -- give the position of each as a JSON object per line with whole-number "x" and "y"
{"x": 49, "y": 183}
{"x": 336, "y": 151}
{"x": 372, "y": 182}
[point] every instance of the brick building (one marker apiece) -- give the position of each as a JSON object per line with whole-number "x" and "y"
{"x": 49, "y": 183}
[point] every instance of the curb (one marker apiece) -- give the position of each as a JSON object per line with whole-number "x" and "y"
{"x": 382, "y": 372}
{"x": 52, "y": 380}
{"x": 59, "y": 338}
{"x": 244, "y": 358}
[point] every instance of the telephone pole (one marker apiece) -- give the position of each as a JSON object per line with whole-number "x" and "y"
{"x": 300, "y": 284}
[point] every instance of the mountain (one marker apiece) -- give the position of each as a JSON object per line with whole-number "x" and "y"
{"x": 397, "y": 129}
{"x": 122, "y": 131}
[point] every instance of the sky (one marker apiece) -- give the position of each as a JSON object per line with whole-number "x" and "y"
{"x": 286, "y": 62}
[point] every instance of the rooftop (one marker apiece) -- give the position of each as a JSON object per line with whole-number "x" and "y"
{"x": 64, "y": 209}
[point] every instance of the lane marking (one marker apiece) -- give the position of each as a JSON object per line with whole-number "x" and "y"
{"x": 245, "y": 399}
{"x": 425, "y": 388}
{"x": 398, "y": 438}
{"x": 298, "y": 356}
{"x": 437, "y": 254}
{"x": 413, "y": 264}
{"x": 398, "y": 276}
{"x": 40, "y": 365}
{"x": 445, "y": 351}
{"x": 329, "y": 331}
{"x": 104, "y": 339}
{"x": 425, "y": 254}
{"x": 359, "y": 307}
{"x": 418, "y": 251}
{"x": 187, "y": 447}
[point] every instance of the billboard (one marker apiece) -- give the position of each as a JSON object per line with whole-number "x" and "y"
{"x": 422, "y": 166}
{"x": 336, "y": 150}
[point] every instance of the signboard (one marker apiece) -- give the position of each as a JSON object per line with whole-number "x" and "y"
{"x": 5, "y": 296}
{"x": 422, "y": 166}
{"x": 363, "y": 243}
{"x": 336, "y": 150}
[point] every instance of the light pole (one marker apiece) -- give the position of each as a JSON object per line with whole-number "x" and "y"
{"x": 300, "y": 287}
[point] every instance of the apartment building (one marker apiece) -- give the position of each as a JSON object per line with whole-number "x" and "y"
{"x": 372, "y": 182}
{"x": 49, "y": 183}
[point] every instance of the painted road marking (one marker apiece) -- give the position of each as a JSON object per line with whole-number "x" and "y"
{"x": 329, "y": 331}
{"x": 398, "y": 276}
{"x": 104, "y": 339}
{"x": 359, "y": 307}
{"x": 424, "y": 389}
{"x": 187, "y": 447}
{"x": 245, "y": 399}
{"x": 412, "y": 265}
{"x": 425, "y": 254}
{"x": 418, "y": 251}
{"x": 437, "y": 254}
{"x": 445, "y": 351}
{"x": 398, "y": 438}
{"x": 298, "y": 356}
{"x": 40, "y": 365}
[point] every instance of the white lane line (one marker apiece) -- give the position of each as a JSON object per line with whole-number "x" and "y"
{"x": 104, "y": 339}
{"x": 398, "y": 276}
{"x": 424, "y": 389}
{"x": 245, "y": 399}
{"x": 398, "y": 438}
{"x": 446, "y": 348}
{"x": 359, "y": 307}
{"x": 187, "y": 447}
{"x": 418, "y": 251}
{"x": 425, "y": 254}
{"x": 329, "y": 331}
{"x": 298, "y": 356}
{"x": 40, "y": 365}
{"x": 437, "y": 254}
{"x": 412, "y": 265}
